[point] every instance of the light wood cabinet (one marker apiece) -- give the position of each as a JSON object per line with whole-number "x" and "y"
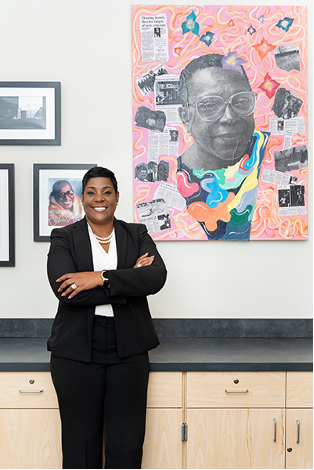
{"x": 229, "y": 419}
{"x": 230, "y": 422}
{"x": 164, "y": 390}
{"x": 299, "y": 441}
{"x": 30, "y": 438}
{"x": 235, "y": 389}
{"x": 163, "y": 444}
{"x": 299, "y": 420}
{"x": 299, "y": 390}
{"x": 235, "y": 438}
{"x": 30, "y": 428}
{"x": 30, "y": 431}
{"x": 27, "y": 390}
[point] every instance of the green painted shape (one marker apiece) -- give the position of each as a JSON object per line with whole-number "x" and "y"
{"x": 240, "y": 218}
{"x": 200, "y": 173}
{"x": 220, "y": 174}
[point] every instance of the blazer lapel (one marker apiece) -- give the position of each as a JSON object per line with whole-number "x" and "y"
{"x": 121, "y": 240}
{"x": 83, "y": 248}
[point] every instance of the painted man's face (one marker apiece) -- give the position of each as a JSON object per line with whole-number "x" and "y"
{"x": 227, "y": 136}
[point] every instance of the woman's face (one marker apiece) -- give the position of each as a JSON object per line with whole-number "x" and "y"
{"x": 66, "y": 196}
{"x": 99, "y": 201}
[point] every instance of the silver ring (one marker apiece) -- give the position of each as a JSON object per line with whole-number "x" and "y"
{"x": 74, "y": 286}
{"x": 139, "y": 265}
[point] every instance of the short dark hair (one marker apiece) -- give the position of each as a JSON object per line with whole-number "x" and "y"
{"x": 203, "y": 62}
{"x": 99, "y": 172}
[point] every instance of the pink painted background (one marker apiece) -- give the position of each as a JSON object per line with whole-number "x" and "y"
{"x": 230, "y": 25}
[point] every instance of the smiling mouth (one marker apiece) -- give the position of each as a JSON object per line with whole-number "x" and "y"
{"x": 100, "y": 209}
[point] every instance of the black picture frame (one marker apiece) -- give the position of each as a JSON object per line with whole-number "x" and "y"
{"x": 7, "y": 215}
{"x": 20, "y": 123}
{"x": 48, "y": 211}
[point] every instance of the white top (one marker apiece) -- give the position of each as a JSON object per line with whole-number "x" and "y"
{"x": 101, "y": 261}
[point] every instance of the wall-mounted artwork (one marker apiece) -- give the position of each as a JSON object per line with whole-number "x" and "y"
{"x": 30, "y": 113}
{"x": 57, "y": 197}
{"x": 220, "y": 122}
{"x": 7, "y": 219}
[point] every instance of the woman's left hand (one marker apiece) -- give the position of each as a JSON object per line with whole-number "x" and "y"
{"x": 144, "y": 260}
{"x": 83, "y": 281}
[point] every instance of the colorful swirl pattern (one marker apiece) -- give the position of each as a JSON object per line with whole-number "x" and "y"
{"x": 223, "y": 201}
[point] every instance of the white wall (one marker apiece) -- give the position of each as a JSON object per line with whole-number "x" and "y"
{"x": 85, "y": 44}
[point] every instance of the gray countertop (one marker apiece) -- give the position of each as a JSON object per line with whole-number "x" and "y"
{"x": 184, "y": 354}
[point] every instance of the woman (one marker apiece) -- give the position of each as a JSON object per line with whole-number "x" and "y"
{"x": 64, "y": 205}
{"x": 101, "y": 269}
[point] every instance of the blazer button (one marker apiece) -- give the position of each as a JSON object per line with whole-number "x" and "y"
{"x": 117, "y": 305}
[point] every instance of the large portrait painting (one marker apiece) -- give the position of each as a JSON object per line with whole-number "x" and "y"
{"x": 220, "y": 122}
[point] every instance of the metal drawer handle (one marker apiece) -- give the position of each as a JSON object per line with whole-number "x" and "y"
{"x": 275, "y": 429}
{"x": 31, "y": 391}
{"x": 298, "y": 433}
{"x": 236, "y": 391}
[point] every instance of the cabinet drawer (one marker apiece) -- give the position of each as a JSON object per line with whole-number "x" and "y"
{"x": 235, "y": 389}
{"x": 27, "y": 390}
{"x": 299, "y": 389}
{"x": 164, "y": 390}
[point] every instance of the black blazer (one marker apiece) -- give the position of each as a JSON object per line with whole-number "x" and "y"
{"x": 70, "y": 251}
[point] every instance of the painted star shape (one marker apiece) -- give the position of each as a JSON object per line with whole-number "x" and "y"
{"x": 251, "y": 30}
{"x": 190, "y": 24}
{"x": 285, "y": 23}
{"x": 263, "y": 48}
{"x": 232, "y": 62}
{"x": 269, "y": 86}
{"x": 207, "y": 38}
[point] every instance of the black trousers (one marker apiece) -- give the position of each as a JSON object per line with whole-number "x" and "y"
{"x": 106, "y": 396}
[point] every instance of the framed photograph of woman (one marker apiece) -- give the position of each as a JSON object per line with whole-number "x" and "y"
{"x": 30, "y": 113}
{"x": 57, "y": 197}
{"x": 7, "y": 222}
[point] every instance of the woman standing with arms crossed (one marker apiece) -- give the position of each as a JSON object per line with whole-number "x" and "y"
{"x": 101, "y": 269}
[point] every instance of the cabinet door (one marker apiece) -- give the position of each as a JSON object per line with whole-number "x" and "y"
{"x": 235, "y": 438}
{"x": 163, "y": 444}
{"x": 30, "y": 438}
{"x": 299, "y": 427}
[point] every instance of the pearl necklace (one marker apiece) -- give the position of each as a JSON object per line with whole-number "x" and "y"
{"x": 106, "y": 240}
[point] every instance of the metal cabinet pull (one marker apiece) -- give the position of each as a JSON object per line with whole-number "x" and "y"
{"x": 275, "y": 429}
{"x": 236, "y": 391}
{"x": 31, "y": 391}
{"x": 298, "y": 431}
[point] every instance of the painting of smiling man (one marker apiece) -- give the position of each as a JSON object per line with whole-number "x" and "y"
{"x": 218, "y": 174}
{"x": 237, "y": 79}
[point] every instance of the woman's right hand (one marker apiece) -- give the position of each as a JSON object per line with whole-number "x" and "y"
{"x": 144, "y": 260}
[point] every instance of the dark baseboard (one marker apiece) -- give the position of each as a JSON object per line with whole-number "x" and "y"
{"x": 181, "y": 328}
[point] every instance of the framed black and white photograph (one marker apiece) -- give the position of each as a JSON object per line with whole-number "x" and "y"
{"x": 7, "y": 225}
{"x": 57, "y": 197}
{"x": 30, "y": 113}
